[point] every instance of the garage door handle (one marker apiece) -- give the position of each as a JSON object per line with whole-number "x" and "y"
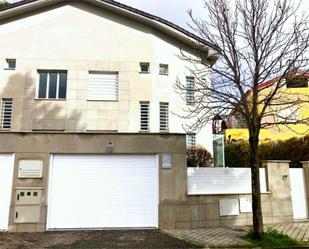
{"x": 16, "y": 215}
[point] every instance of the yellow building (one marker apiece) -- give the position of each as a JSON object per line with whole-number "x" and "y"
{"x": 237, "y": 128}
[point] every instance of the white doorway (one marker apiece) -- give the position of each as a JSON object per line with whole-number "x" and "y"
{"x": 299, "y": 195}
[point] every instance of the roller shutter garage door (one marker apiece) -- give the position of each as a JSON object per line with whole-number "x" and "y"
{"x": 102, "y": 191}
{"x": 6, "y": 181}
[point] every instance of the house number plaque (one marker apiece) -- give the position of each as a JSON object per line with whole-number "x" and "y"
{"x": 166, "y": 161}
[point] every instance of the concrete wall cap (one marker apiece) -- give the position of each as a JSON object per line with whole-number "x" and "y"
{"x": 276, "y": 161}
{"x": 93, "y": 133}
{"x": 304, "y": 162}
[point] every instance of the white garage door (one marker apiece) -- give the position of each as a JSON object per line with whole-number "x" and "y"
{"x": 103, "y": 191}
{"x": 6, "y": 179}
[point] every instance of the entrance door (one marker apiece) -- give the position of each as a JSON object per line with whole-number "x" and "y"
{"x": 299, "y": 196}
{"x": 6, "y": 179}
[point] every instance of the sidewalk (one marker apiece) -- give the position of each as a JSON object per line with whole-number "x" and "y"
{"x": 228, "y": 237}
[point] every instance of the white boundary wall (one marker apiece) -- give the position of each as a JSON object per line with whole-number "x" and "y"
{"x": 210, "y": 181}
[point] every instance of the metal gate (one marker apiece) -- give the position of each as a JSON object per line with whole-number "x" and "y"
{"x": 299, "y": 195}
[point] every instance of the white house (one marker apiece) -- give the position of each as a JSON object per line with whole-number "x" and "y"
{"x": 84, "y": 84}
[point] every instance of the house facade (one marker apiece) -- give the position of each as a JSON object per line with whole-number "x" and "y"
{"x": 91, "y": 136}
{"x": 88, "y": 106}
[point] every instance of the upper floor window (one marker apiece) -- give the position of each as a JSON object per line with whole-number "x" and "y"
{"x": 164, "y": 117}
{"x": 6, "y": 113}
{"x": 10, "y": 64}
{"x": 52, "y": 84}
{"x": 103, "y": 86}
{"x": 190, "y": 90}
{"x": 163, "y": 69}
{"x": 144, "y": 67}
{"x": 144, "y": 116}
{"x": 191, "y": 140}
{"x": 296, "y": 82}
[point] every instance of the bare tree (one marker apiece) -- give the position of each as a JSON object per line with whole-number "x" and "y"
{"x": 4, "y": 4}
{"x": 257, "y": 40}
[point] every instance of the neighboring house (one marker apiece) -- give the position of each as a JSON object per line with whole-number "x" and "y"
{"x": 88, "y": 115}
{"x": 236, "y": 123}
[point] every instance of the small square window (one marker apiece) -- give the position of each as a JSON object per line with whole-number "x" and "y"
{"x": 163, "y": 69}
{"x": 28, "y": 193}
{"x": 35, "y": 193}
{"x": 10, "y": 64}
{"x": 144, "y": 67}
{"x": 22, "y": 193}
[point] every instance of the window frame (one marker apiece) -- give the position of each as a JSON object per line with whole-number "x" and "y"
{"x": 167, "y": 117}
{"x": 95, "y": 72}
{"x": 297, "y": 81}
{"x": 47, "y": 71}
{"x": 287, "y": 114}
{"x": 190, "y": 90}
{"x": 3, "y": 100}
{"x": 148, "y": 116}
{"x": 8, "y": 61}
{"x": 193, "y": 140}
{"x": 165, "y": 66}
{"x": 140, "y": 67}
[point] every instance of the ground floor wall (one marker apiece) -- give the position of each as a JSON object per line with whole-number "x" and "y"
{"x": 198, "y": 211}
{"x": 40, "y": 146}
{"x": 177, "y": 209}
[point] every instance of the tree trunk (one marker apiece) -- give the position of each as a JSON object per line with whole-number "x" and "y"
{"x": 256, "y": 192}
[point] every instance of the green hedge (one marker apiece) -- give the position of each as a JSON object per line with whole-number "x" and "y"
{"x": 295, "y": 149}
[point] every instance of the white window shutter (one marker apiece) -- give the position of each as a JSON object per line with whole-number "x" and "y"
{"x": 103, "y": 86}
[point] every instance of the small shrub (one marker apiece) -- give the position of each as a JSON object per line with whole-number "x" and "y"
{"x": 271, "y": 238}
{"x": 199, "y": 157}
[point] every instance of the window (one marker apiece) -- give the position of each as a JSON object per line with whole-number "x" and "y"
{"x": 296, "y": 82}
{"x": 191, "y": 140}
{"x": 144, "y": 67}
{"x": 144, "y": 110}
{"x": 103, "y": 86}
{"x": 52, "y": 84}
{"x": 10, "y": 64}
{"x": 289, "y": 114}
{"x": 190, "y": 91}
{"x": 163, "y": 69}
{"x": 6, "y": 113}
{"x": 163, "y": 117}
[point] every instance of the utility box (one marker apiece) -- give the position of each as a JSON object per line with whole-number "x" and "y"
{"x": 27, "y": 214}
{"x": 30, "y": 169}
{"x": 28, "y": 197}
{"x": 28, "y": 205}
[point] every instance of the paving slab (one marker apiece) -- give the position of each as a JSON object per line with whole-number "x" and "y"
{"x": 212, "y": 237}
{"x": 234, "y": 237}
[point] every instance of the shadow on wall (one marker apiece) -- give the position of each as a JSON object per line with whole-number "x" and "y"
{"x": 32, "y": 114}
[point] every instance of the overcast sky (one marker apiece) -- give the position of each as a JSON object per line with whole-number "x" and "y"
{"x": 174, "y": 10}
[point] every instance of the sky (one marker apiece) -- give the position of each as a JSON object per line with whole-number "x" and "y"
{"x": 172, "y": 10}
{"x": 175, "y": 10}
